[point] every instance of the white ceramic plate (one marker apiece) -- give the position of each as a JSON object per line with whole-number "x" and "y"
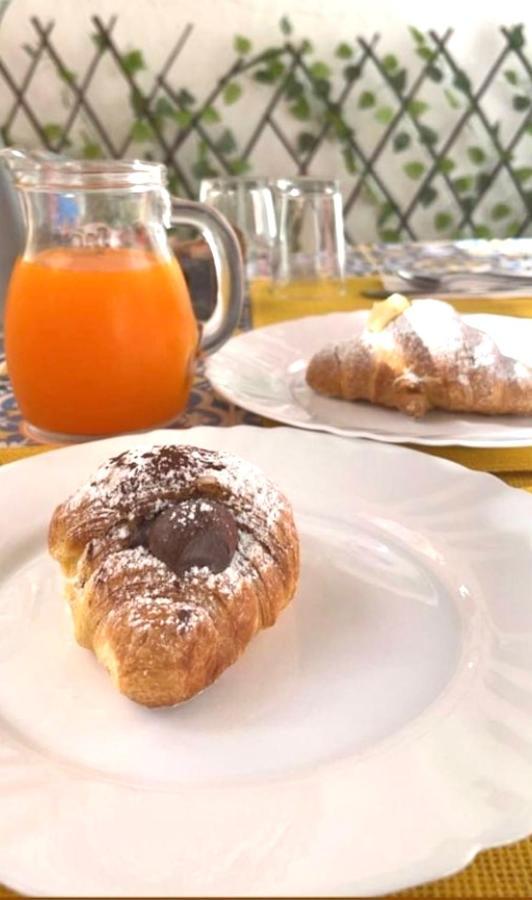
{"x": 264, "y": 372}
{"x": 377, "y": 737}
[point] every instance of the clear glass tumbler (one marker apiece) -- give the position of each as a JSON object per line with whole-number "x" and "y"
{"x": 310, "y": 241}
{"x": 248, "y": 204}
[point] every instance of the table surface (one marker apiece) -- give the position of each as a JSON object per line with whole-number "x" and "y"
{"x": 502, "y": 873}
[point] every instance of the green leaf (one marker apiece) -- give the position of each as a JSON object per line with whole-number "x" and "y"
{"x": 418, "y": 36}
{"x": 101, "y": 41}
{"x": 528, "y": 128}
{"x": 414, "y": 170}
{"x": 428, "y": 195}
{"x": 138, "y": 102}
{"x": 52, "y": 132}
{"x": 500, "y": 211}
{"x": 467, "y": 204}
{"x": 343, "y": 131}
{"x": 264, "y": 76}
{"x": 141, "y": 132}
{"x": 511, "y": 76}
{"x": 305, "y": 141}
{"x": 398, "y": 80}
{"x": 285, "y": 25}
{"x": 322, "y": 87}
{"x": 174, "y": 184}
{"x": 352, "y": 73}
{"x": 401, "y": 141}
{"x": 523, "y": 174}
{"x": 390, "y": 62}
{"x": 482, "y": 182}
{"x": 320, "y": 70}
{"x": 300, "y": 109}
{"x": 91, "y": 150}
{"x": 306, "y": 46}
{"x": 183, "y": 117}
{"x": 366, "y": 100}
{"x": 349, "y": 160}
{"x": 443, "y": 221}
{"x": 202, "y": 149}
{"x": 163, "y": 108}
{"x": 133, "y": 62}
{"x": 512, "y": 230}
{"x": 292, "y": 87}
{"x": 435, "y": 73}
{"x": 390, "y": 235}
{"x": 226, "y": 142}
{"x": 231, "y": 93}
{"x": 451, "y": 98}
{"x": 202, "y": 168}
{"x": 66, "y": 75}
{"x": 520, "y": 102}
{"x": 343, "y": 51}
{"x": 384, "y": 114}
{"x": 462, "y": 82}
{"x": 482, "y": 231}
{"x": 185, "y": 98}
{"x": 463, "y": 183}
{"x": 476, "y": 155}
{"x": 417, "y": 108}
{"x": 516, "y": 38}
{"x": 210, "y": 115}
{"x": 270, "y": 73}
{"x": 277, "y": 68}
{"x": 241, "y": 44}
{"x": 239, "y": 166}
{"x": 427, "y": 135}
{"x": 387, "y": 209}
{"x": 426, "y": 53}
{"x": 445, "y": 165}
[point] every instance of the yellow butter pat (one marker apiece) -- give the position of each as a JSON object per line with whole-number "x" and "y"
{"x": 384, "y": 312}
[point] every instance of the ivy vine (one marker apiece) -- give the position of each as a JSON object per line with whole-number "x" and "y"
{"x": 336, "y": 100}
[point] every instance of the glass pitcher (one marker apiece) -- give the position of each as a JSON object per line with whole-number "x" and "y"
{"x": 100, "y": 333}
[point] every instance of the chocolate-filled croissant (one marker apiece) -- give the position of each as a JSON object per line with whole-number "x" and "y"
{"x": 174, "y": 557}
{"x": 420, "y": 356}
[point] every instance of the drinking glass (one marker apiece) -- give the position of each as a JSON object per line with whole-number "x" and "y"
{"x": 248, "y": 204}
{"x": 310, "y": 241}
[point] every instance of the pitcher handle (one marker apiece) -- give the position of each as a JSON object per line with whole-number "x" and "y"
{"x": 225, "y": 249}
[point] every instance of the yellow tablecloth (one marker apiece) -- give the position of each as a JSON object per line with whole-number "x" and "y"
{"x": 503, "y": 872}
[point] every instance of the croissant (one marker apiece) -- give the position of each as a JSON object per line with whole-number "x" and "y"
{"x": 420, "y": 356}
{"x": 173, "y": 558}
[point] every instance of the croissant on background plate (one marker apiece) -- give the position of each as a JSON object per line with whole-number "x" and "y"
{"x": 174, "y": 557}
{"x": 419, "y": 356}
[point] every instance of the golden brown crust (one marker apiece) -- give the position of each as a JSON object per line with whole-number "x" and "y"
{"x": 426, "y": 358}
{"x": 165, "y": 637}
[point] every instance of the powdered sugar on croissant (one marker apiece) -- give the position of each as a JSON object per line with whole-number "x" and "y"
{"x": 422, "y": 356}
{"x": 174, "y": 557}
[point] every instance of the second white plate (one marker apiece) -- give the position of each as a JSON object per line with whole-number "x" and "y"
{"x": 264, "y": 372}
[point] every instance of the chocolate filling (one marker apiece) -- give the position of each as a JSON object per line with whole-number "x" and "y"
{"x": 195, "y": 533}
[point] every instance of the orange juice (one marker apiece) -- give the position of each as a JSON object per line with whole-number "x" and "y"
{"x": 99, "y": 341}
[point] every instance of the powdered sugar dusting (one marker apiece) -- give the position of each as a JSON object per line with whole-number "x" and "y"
{"x": 160, "y": 476}
{"x": 138, "y": 484}
{"x": 441, "y": 331}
